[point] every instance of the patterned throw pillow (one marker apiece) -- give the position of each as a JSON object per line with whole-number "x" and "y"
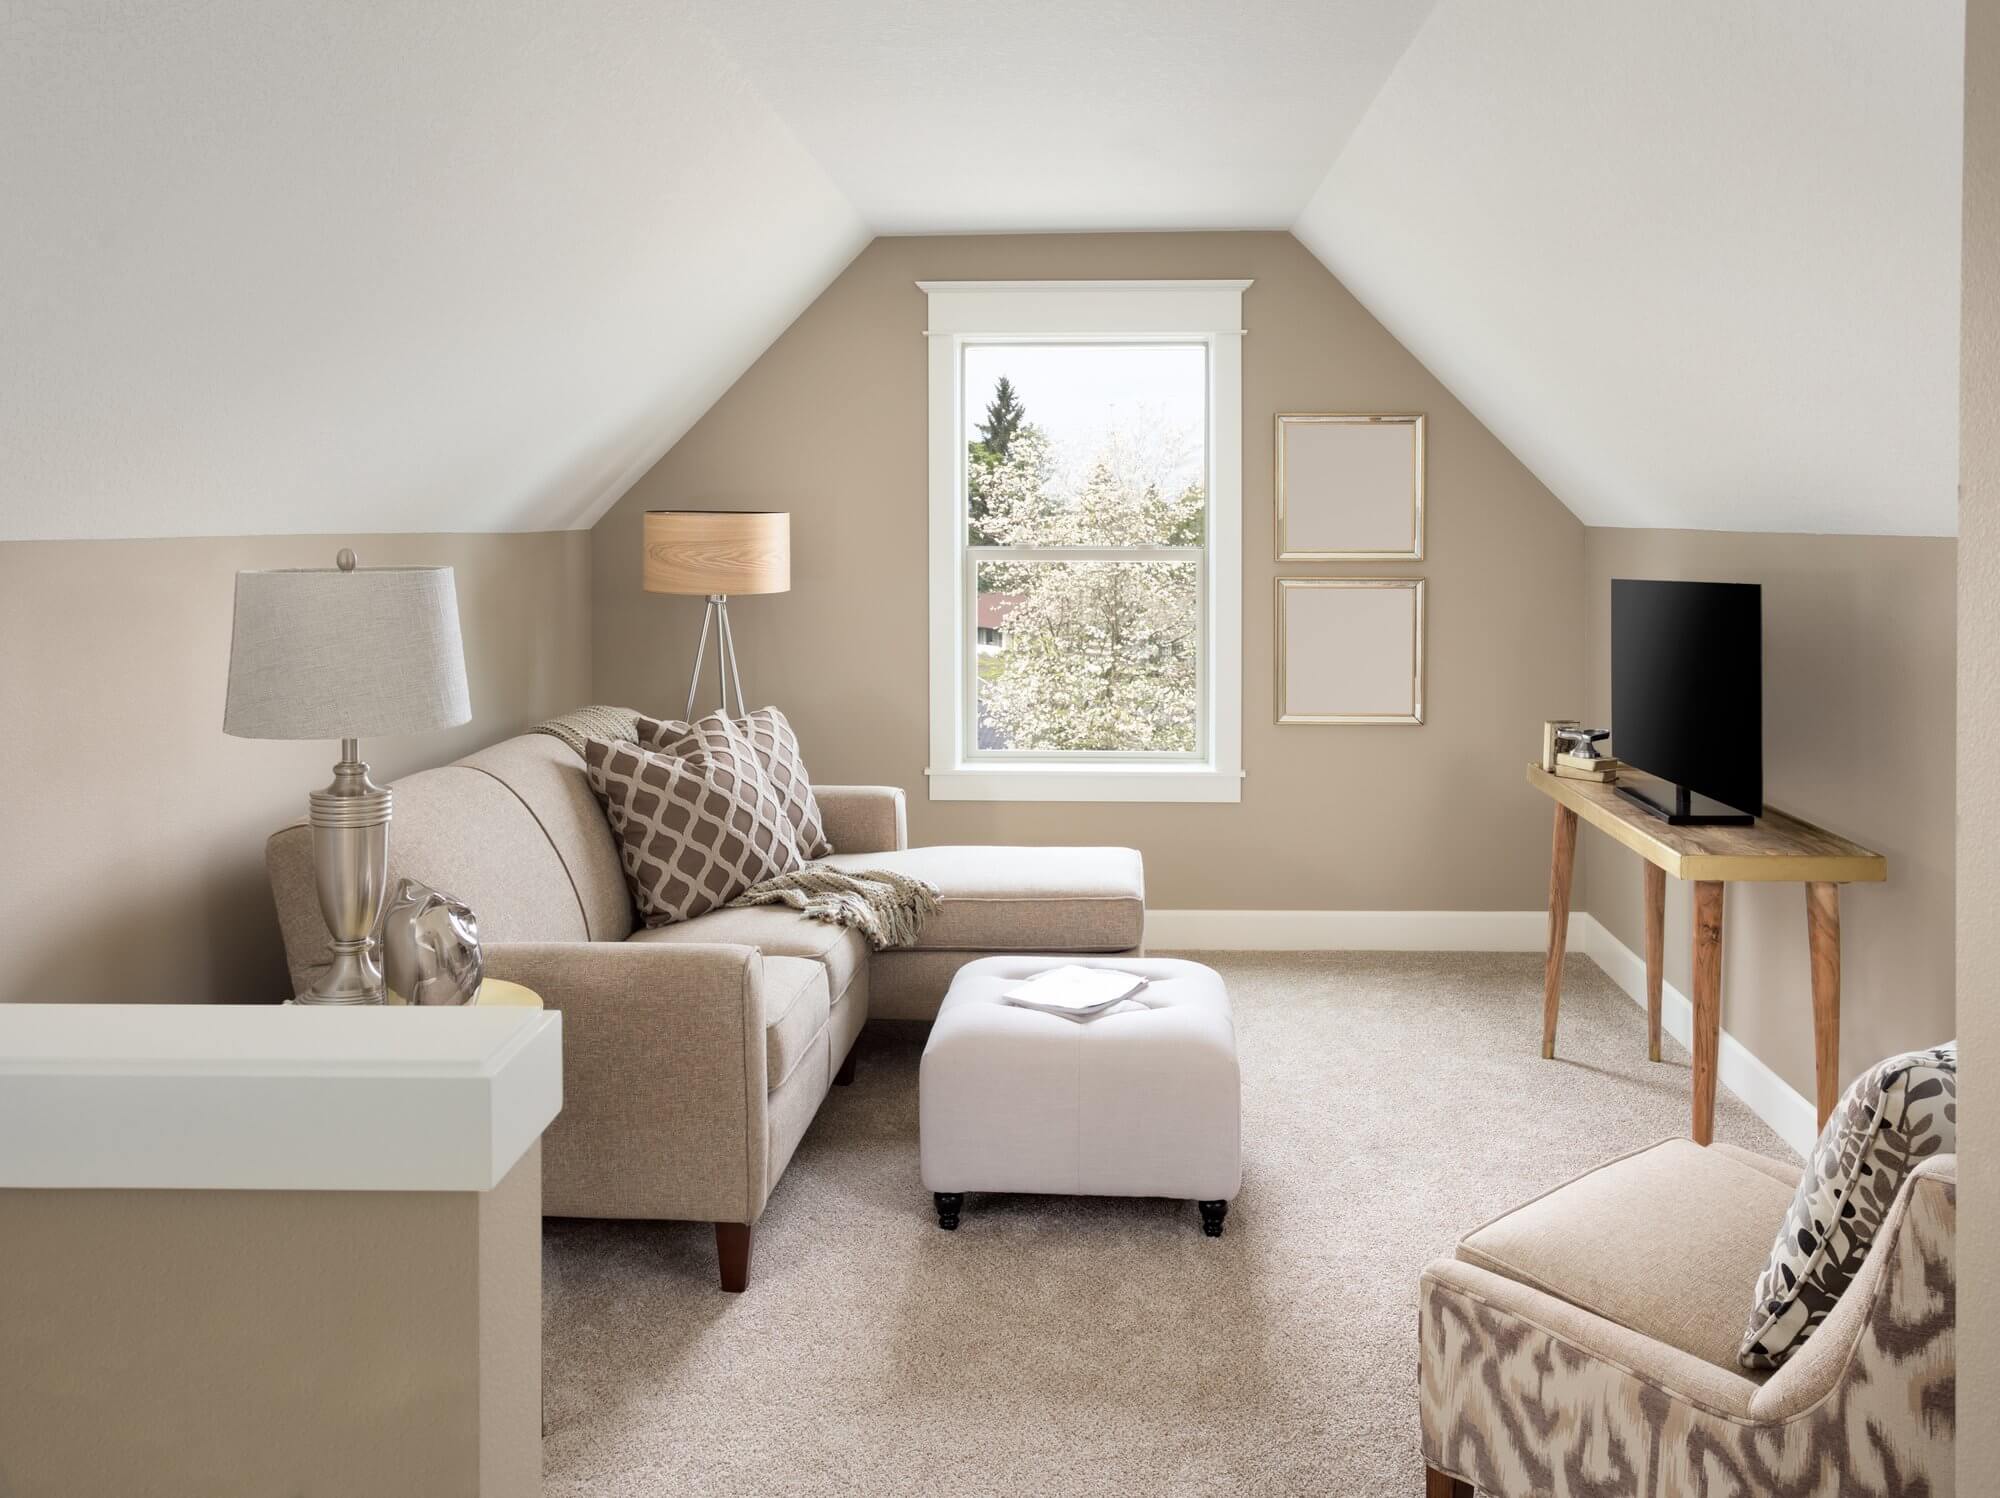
{"x": 777, "y": 750}
{"x": 1894, "y": 1117}
{"x": 694, "y": 830}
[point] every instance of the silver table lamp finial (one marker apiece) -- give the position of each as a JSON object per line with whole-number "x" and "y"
{"x": 339, "y": 653}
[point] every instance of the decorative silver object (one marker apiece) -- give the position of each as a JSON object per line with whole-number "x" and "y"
{"x": 335, "y": 653}
{"x": 430, "y": 946}
{"x": 1582, "y": 742}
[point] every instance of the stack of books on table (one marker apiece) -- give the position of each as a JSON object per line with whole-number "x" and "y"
{"x": 1602, "y": 768}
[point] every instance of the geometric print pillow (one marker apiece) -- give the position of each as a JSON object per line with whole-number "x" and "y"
{"x": 777, "y": 750}
{"x": 1894, "y": 1117}
{"x": 694, "y": 830}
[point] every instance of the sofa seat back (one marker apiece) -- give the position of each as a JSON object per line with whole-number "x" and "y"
{"x": 514, "y": 831}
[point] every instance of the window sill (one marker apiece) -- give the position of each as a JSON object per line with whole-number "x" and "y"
{"x": 1102, "y": 783}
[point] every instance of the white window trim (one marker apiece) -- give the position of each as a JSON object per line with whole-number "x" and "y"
{"x": 1205, "y": 312}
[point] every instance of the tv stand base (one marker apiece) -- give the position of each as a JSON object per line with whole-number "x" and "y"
{"x": 1682, "y": 812}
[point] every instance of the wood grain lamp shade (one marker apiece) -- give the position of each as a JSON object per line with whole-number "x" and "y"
{"x": 727, "y": 552}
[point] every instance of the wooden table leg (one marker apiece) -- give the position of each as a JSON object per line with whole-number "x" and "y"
{"x": 1707, "y": 1004}
{"x": 1823, "y": 938}
{"x": 1656, "y": 951}
{"x": 1562, "y": 864}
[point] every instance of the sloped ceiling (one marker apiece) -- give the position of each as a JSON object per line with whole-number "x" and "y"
{"x": 961, "y": 116}
{"x": 410, "y": 267}
{"x": 393, "y": 267}
{"x": 1694, "y": 261}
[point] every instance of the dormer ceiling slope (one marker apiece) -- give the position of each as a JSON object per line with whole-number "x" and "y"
{"x": 1695, "y": 263}
{"x": 411, "y": 268}
{"x": 400, "y": 267}
{"x": 965, "y": 116}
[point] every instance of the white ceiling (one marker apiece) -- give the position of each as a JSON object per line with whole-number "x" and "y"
{"x": 1694, "y": 261}
{"x": 326, "y": 267}
{"x": 958, "y": 116}
{"x": 402, "y": 267}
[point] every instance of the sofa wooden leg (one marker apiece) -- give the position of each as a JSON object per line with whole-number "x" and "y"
{"x": 732, "y": 1252}
{"x": 949, "y": 1204}
{"x": 1443, "y": 1485}
{"x": 845, "y": 1075}
{"x": 1212, "y": 1214}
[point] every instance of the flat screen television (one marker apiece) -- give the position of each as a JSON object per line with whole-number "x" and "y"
{"x": 1687, "y": 696}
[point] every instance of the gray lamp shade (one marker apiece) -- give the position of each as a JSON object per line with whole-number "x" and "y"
{"x": 321, "y": 653}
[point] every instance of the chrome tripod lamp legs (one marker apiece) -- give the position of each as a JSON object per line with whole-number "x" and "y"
{"x": 728, "y": 679}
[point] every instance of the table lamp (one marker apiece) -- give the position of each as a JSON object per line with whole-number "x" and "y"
{"x": 715, "y": 553}
{"x": 346, "y": 652}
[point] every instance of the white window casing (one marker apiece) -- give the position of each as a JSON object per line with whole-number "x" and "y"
{"x": 1207, "y": 313}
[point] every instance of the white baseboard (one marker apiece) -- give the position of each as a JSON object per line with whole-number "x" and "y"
{"x": 1792, "y": 1117}
{"x": 1346, "y": 930}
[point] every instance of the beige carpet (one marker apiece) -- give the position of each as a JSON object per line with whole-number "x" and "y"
{"x": 1061, "y": 1346}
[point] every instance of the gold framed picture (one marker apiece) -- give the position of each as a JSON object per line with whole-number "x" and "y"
{"x": 1350, "y": 649}
{"x": 1350, "y": 488}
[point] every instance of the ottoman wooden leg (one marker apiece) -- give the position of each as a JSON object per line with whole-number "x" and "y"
{"x": 1212, "y": 1214}
{"x": 948, "y": 1203}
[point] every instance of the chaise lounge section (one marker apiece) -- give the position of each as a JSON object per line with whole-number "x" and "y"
{"x": 696, "y": 1055}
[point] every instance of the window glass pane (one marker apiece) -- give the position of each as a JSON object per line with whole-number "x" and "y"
{"x": 1086, "y": 444}
{"x": 1087, "y": 655}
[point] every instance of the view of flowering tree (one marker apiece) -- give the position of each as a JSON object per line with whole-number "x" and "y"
{"x": 1097, "y": 654}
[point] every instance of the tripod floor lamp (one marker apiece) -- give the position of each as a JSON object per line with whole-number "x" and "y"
{"x": 713, "y": 554}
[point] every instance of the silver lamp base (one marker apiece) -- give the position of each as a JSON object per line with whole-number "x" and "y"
{"x": 350, "y": 841}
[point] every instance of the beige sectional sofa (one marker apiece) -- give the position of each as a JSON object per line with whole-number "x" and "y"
{"x": 696, "y": 1055}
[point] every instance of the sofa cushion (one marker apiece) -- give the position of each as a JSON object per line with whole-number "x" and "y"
{"x": 771, "y": 739}
{"x": 1024, "y": 899}
{"x": 549, "y": 778}
{"x": 776, "y": 931}
{"x": 1893, "y": 1117}
{"x": 795, "y": 1012}
{"x": 1656, "y": 1241}
{"x": 694, "y": 830}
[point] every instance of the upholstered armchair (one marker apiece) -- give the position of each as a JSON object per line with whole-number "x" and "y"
{"x": 1585, "y": 1344}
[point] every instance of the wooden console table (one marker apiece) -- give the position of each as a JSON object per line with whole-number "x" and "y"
{"x": 1777, "y": 849}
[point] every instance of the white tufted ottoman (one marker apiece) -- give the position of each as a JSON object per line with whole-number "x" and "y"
{"x": 1144, "y": 1100}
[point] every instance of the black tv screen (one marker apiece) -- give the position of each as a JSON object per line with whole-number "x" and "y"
{"x": 1687, "y": 686}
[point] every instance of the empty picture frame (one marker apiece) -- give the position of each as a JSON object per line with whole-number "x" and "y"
{"x": 1350, "y": 488}
{"x": 1350, "y": 650}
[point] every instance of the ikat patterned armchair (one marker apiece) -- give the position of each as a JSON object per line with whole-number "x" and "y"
{"x": 1587, "y": 1344}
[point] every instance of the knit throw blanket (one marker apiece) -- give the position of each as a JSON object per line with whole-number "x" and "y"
{"x": 590, "y": 723}
{"x": 887, "y": 907}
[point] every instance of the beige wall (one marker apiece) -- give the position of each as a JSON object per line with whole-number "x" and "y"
{"x": 323, "y": 1344}
{"x": 131, "y": 849}
{"x": 830, "y": 424}
{"x": 1979, "y": 759}
{"x": 1858, "y": 714}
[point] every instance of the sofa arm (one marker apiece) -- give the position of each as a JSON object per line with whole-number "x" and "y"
{"x": 664, "y": 1091}
{"x": 864, "y": 818}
